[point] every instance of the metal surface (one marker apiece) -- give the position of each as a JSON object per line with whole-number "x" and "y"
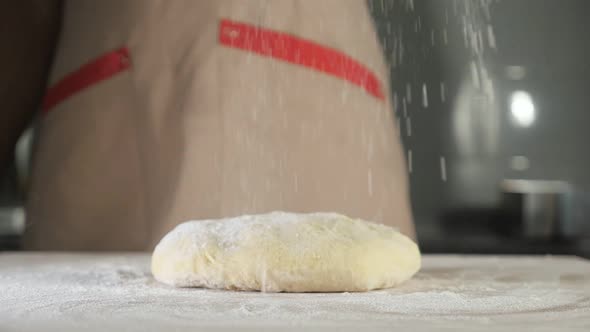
{"x": 12, "y": 220}
{"x": 540, "y": 206}
{"x": 546, "y": 209}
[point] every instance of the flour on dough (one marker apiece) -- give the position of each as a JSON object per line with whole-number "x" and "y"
{"x": 285, "y": 252}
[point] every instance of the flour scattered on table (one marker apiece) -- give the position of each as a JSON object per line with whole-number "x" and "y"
{"x": 54, "y": 292}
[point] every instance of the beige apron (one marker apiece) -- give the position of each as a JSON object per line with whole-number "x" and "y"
{"x": 196, "y": 129}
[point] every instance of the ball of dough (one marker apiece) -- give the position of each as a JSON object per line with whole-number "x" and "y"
{"x": 285, "y": 252}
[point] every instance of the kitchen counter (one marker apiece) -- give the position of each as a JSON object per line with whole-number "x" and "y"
{"x": 98, "y": 292}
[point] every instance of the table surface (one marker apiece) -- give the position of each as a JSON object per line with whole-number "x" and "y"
{"x": 98, "y": 292}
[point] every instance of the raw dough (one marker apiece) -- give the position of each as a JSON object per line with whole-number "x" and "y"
{"x": 279, "y": 251}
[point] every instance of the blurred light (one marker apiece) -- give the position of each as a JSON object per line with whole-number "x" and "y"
{"x": 475, "y": 120}
{"x": 520, "y": 163}
{"x": 515, "y": 73}
{"x": 522, "y": 109}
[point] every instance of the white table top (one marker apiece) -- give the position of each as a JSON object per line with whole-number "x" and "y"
{"x": 98, "y": 292}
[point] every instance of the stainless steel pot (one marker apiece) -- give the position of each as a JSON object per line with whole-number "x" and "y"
{"x": 546, "y": 209}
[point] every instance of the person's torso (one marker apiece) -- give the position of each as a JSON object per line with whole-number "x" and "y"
{"x": 181, "y": 110}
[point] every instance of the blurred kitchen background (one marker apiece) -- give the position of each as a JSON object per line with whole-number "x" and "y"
{"x": 491, "y": 100}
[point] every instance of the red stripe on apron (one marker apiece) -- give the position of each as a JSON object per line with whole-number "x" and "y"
{"x": 299, "y": 51}
{"x": 99, "y": 69}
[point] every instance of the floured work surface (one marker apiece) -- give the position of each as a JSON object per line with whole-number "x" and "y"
{"x": 70, "y": 292}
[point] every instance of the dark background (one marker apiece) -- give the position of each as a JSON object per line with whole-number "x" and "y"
{"x": 545, "y": 42}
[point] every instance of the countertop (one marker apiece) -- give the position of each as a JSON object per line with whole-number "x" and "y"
{"x": 98, "y": 292}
